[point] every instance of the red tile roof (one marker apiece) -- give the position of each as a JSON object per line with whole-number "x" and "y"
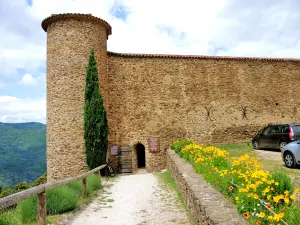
{"x": 134, "y": 55}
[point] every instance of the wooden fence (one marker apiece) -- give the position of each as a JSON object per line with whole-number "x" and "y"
{"x": 41, "y": 190}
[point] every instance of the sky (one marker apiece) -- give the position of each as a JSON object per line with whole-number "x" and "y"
{"x": 268, "y": 28}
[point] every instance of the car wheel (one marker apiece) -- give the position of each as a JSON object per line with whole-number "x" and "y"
{"x": 281, "y": 145}
{"x": 289, "y": 160}
{"x": 255, "y": 145}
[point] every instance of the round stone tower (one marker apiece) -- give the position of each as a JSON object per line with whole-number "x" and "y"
{"x": 70, "y": 38}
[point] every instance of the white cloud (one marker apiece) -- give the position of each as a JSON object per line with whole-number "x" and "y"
{"x": 8, "y": 99}
{"x": 227, "y": 27}
{"x": 15, "y": 110}
{"x": 28, "y": 80}
{"x": 218, "y": 27}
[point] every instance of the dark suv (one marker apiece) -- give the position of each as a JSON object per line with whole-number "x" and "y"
{"x": 276, "y": 136}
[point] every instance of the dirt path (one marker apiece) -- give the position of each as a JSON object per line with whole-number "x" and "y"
{"x": 134, "y": 200}
{"x": 270, "y": 155}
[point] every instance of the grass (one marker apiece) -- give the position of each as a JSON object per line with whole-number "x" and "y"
{"x": 167, "y": 180}
{"x": 238, "y": 149}
{"x": 59, "y": 200}
{"x": 271, "y": 165}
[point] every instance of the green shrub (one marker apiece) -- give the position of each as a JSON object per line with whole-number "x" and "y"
{"x": 9, "y": 218}
{"x": 61, "y": 199}
{"x": 284, "y": 181}
{"x": 93, "y": 183}
{"x": 76, "y": 186}
{"x": 21, "y": 186}
{"x": 41, "y": 180}
{"x": 6, "y": 192}
{"x": 179, "y": 144}
{"x": 292, "y": 214}
{"x": 27, "y": 209}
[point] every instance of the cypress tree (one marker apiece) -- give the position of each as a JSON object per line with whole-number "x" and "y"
{"x": 95, "y": 121}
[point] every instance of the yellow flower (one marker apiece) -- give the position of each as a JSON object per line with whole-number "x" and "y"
{"x": 255, "y": 196}
{"x": 286, "y": 192}
{"x": 269, "y": 182}
{"x": 276, "y": 183}
{"x": 293, "y": 197}
{"x": 276, "y": 199}
{"x": 286, "y": 200}
{"x": 262, "y": 215}
{"x": 236, "y": 198}
{"x": 270, "y": 218}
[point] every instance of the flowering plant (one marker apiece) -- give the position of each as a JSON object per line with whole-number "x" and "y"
{"x": 260, "y": 196}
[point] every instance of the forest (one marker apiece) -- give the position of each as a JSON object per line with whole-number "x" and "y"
{"x": 22, "y": 152}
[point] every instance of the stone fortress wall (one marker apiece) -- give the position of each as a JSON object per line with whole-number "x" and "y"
{"x": 208, "y": 99}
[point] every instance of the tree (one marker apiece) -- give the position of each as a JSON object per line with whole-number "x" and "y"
{"x": 95, "y": 121}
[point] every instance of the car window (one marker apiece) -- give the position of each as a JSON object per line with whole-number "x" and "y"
{"x": 296, "y": 128}
{"x": 275, "y": 130}
{"x": 284, "y": 129}
{"x": 267, "y": 131}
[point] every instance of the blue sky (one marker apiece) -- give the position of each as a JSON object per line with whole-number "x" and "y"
{"x": 268, "y": 28}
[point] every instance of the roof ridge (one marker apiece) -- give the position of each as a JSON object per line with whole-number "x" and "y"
{"x": 142, "y": 55}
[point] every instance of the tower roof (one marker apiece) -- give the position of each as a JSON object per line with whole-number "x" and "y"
{"x": 78, "y": 16}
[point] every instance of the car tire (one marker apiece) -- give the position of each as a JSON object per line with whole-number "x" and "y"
{"x": 289, "y": 160}
{"x": 255, "y": 145}
{"x": 281, "y": 145}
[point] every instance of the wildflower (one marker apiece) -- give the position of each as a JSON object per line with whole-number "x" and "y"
{"x": 236, "y": 198}
{"x": 276, "y": 183}
{"x": 286, "y": 200}
{"x": 276, "y": 199}
{"x": 293, "y": 197}
{"x": 246, "y": 215}
{"x": 258, "y": 223}
{"x": 230, "y": 188}
{"x": 270, "y": 218}
{"x": 262, "y": 215}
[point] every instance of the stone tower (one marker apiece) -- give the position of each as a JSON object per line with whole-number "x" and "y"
{"x": 70, "y": 38}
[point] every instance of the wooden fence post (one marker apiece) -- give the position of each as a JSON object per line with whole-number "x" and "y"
{"x": 84, "y": 193}
{"x": 42, "y": 208}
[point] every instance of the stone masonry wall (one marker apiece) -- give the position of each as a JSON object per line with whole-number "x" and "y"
{"x": 206, "y": 204}
{"x": 167, "y": 97}
{"x": 70, "y": 38}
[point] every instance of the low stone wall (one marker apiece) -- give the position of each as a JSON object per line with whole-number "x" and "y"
{"x": 206, "y": 204}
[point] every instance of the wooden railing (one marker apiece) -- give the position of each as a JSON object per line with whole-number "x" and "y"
{"x": 41, "y": 190}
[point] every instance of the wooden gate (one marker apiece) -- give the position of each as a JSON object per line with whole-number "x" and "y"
{"x": 125, "y": 159}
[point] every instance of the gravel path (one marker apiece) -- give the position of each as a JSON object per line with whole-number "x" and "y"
{"x": 134, "y": 200}
{"x": 270, "y": 154}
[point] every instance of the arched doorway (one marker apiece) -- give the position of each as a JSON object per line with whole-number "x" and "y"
{"x": 141, "y": 157}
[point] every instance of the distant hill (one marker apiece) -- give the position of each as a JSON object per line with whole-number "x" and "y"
{"x": 22, "y": 152}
